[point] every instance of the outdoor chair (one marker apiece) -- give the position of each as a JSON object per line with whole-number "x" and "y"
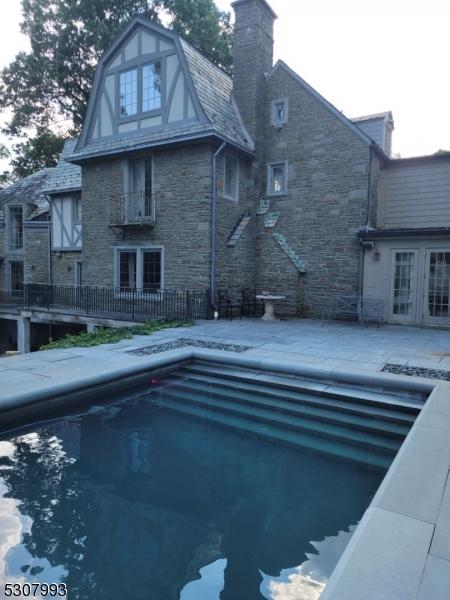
{"x": 356, "y": 308}
{"x": 225, "y": 305}
{"x": 250, "y": 305}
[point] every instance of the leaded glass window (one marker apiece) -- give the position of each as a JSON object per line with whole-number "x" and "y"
{"x": 151, "y": 87}
{"x": 128, "y": 93}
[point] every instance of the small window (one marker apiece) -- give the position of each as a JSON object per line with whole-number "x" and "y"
{"x": 151, "y": 87}
{"x": 77, "y": 210}
{"x": 140, "y": 269}
{"x": 277, "y": 179}
{"x": 279, "y": 112}
{"x": 15, "y": 229}
{"x": 128, "y": 93}
{"x": 231, "y": 178}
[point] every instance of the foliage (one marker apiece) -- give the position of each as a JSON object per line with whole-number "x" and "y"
{"x": 112, "y": 336}
{"x": 53, "y": 80}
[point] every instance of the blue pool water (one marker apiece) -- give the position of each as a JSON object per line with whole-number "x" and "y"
{"x": 129, "y": 501}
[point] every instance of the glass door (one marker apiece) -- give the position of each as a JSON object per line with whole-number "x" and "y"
{"x": 16, "y": 278}
{"x": 403, "y": 292}
{"x": 437, "y": 287}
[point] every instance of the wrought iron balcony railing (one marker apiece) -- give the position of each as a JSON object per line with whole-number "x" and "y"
{"x": 133, "y": 209}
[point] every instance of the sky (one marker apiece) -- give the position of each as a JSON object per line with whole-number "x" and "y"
{"x": 364, "y": 56}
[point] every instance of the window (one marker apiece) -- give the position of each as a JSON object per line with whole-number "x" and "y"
{"x": 16, "y": 277}
{"x": 231, "y": 178}
{"x": 139, "y": 269}
{"x": 277, "y": 179}
{"x": 77, "y": 210}
{"x": 15, "y": 229}
{"x": 128, "y": 93}
{"x": 79, "y": 273}
{"x": 404, "y": 282}
{"x": 151, "y": 87}
{"x": 279, "y": 112}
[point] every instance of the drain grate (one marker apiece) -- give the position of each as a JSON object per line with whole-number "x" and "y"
{"x": 417, "y": 372}
{"x": 183, "y": 343}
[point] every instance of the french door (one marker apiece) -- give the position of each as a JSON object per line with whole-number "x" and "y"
{"x": 437, "y": 287}
{"x": 404, "y": 283}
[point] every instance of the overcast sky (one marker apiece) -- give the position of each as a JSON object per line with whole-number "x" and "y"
{"x": 363, "y": 56}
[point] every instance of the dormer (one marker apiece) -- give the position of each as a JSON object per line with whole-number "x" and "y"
{"x": 152, "y": 87}
{"x": 142, "y": 85}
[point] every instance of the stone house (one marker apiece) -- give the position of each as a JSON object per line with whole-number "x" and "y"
{"x": 192, "y": 179}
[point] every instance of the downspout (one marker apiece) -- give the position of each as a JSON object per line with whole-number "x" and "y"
{"x": 213, "y": 227}
{"x": 50, "y": 274}
{"x": 363, "y": 251}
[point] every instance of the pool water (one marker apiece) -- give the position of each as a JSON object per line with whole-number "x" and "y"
{"x": 129, "y": 501}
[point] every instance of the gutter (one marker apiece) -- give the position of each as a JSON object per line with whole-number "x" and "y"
{"x": 213, "y": 226}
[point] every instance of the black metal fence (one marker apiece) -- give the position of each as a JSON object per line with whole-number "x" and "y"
{"x": 133, "y": 305}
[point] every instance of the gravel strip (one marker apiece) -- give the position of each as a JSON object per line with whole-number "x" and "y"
{"x": 183, "y": 342}
{"x": 417, "y": 372}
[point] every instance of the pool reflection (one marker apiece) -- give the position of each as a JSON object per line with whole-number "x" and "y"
{"x": 132, "y": 502}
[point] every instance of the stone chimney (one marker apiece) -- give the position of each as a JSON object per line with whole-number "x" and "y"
{"x": 253, "y": 58}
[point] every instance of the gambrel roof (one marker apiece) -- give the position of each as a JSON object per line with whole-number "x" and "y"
{"x": 210, "y": 95}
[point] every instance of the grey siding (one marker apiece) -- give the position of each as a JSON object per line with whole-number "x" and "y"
{"x": 417, "y": 194}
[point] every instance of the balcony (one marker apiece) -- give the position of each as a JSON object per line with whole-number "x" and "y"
{"x": 132, "y": 210}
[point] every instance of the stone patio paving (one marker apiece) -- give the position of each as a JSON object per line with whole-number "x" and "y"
{"x": 326, "y": 345}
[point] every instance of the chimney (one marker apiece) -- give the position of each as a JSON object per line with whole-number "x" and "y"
{"x": 253, "y": 58}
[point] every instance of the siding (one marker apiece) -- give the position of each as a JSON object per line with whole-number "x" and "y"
{"x": 417, "y": 194}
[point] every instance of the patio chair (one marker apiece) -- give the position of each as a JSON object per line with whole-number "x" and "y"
{"x": 372, "y": 311}
{"x": 250, "y": 305}
{"x": 343, "y": 307}
{"x": 225, "y": 305}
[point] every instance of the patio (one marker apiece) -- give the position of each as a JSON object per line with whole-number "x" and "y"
{"x": 343, "y": 346}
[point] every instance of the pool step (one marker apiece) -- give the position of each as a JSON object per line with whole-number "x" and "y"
{"x": 348, "y": 393}
{"x": 300, "y": 405}
{"x": 298, "y": 439}
{"x": 338, "y": 432}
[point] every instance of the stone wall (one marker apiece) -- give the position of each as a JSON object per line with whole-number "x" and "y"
{"x": 236, "y": 267}
{"x": 182, "y": 185}
{"x": 36, "y": 254}
{"x": 326, "y": 203}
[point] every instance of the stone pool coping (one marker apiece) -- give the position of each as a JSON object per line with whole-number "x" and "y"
{"x": 401, "y": 548}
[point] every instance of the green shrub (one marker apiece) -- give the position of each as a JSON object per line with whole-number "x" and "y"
{"x": 105, "y": 335}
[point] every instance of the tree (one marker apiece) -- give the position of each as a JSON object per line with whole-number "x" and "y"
{"x": 36, "y": 153}
{"x": 52, "y": 82}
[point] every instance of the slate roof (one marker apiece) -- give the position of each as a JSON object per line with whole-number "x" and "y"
{"x": 29, "y": 190}
{"x": 215, "y": 93}
{"x": 65, "y": 177}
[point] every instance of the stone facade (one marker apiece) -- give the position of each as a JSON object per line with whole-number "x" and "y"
{"x": 325, "y": 205}
{"x": 183, "y": 189}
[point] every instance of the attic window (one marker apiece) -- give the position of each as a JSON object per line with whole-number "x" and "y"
{"x": 279, "y": 112}
{"x": 128, "y": 93}
{"x": 151, "y": 87}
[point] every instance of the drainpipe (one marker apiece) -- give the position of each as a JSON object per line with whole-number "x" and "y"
{"x": 363, "y": 251}
{"x": 50, "y": 274}
{"x": 213, "y": 227}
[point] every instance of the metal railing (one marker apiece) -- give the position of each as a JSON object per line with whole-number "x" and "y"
{"x": 135, "y": 208}
{"x": 134, "y": 305}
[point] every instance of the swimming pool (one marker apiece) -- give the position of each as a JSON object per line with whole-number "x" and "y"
{"x": 202, "y": 485}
